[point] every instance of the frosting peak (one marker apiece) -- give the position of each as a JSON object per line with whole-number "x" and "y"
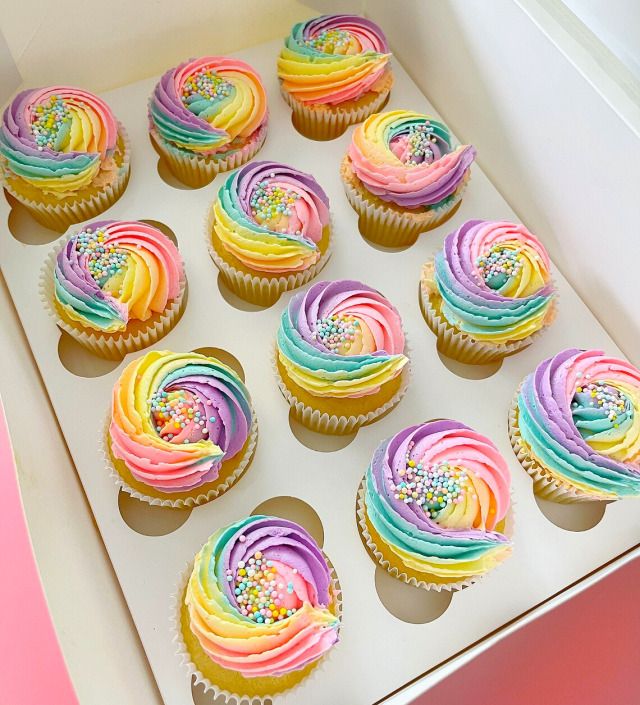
{"x": 407, "y": 158}
{"x": 272, "y": 217}
{"x": 298, "y": 623}
{"x": 341, "y": 339}
{"x": 333, "y": 59}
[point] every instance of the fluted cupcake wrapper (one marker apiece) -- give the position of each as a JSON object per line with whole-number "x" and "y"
{"x": 75, "y": 210}
{"x": 112, "y": 346}
{"x": 379, "y": 557}
{"x": 545, "y": 484}
{"x": 388, "y": 226}
{"x": 332, "y": 424}
{"x": 324, "y": 122}
{"x": 199, "y": 170}
{"x": 462, "y": 347}
{"x": 201, "y": 495}
{"x": 218, "y": 691}
{"x": 257, "y": 288}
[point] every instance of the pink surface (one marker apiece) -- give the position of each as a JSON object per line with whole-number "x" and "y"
{"x": 584, "y": 652}
{"x": 33, "y": 670}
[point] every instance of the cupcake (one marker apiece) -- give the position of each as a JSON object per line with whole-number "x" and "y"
{"x": 403, "y": 176}
{"x": 234, "y": 645}
{"x": 207, "y": 116}
{"x": 116, "y": 286}
{"x": 433, "y": 505}
{"x": 63, "y": 155}
{"x": 488, "y": 293}
{"x": 334, "y": 71}
{"x": 574, "y": 426}
{"x": 340, "y": 356}
{"x": 182, "y": 429}
{"x": 269, "y": 230}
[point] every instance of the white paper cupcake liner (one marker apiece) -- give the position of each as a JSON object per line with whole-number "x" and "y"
{"x": 112, "y": 346}
{"x": 199, "y": 678}
{"x": 71, "y": 211}
{"x": 332, "y": 424}
{"x": 545, "y": 484}
{"x": 462, "y": 347}
{"x": 257, "y": 288}
{"x": 328, "y": 122}
{"x": 195, "y": 170}
{"x": 378, "y": 557}
{"x": 380, "y": 223}
{"x": 206, "y": 495}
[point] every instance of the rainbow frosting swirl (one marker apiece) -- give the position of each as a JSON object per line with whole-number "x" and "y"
{"x": 272, "y": 217}
{"x": 435, "y": 494}
{"x": 333, "y": 59}
{"x": 578, "y": 415}
{"x": 251, "y": 629}
{"x": 58, "y": 139}
{"x": 211, "y": 105}
{"x": 116, "y": 271}
{"x": 407, "y": 158}
{"x": 176, "y": 417}
{"x": 494, "y": 281}
{"x": 341, "y": 339}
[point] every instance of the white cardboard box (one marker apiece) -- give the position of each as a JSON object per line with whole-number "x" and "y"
{"x": 616, "y": 533}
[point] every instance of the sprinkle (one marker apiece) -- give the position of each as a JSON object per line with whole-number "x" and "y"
{"x": 337, "y": 332}
{"x": 254, "y": 590}
{"x": 101, "y": 259}
{"x": 50, "y": 124}
{"x": 498, "y": 265}
{"x": 330, "y": 41}
{"x": 205, "y": 84}
{"x": 431, "y": 486}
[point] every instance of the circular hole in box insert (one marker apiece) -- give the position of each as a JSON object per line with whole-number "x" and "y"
{"x": 163, "y": 228}
{"x": 378, "y": 246}
{"x": 236, "y": 301}
{"x": 75, "y": 358}
{"x": 296, "y": 510}
{"x": 207, "y": 697}
{"x": 165, "y": 173}
{"x": 24, "y": 227}
{"x": 409, "y": 603}
{"x": 322, "y": 442}
{"x": 150, "y": 520}
{"x": 578, "y": 516}
{"x": 224, "y": 356}
{"x": 466, "y": 371}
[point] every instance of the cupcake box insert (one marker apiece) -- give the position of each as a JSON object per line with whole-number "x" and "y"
{"x": 546, "y": 559}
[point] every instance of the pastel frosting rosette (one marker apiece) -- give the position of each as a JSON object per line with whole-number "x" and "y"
{"x": 115, "y": 286}
{"x": 259, "y": 610}
{"x": 63, "y": 154}
{"x": 208, "y": 115}
{"x": 182, "y": 428}
{"x": 403, "y": 175}
{"x": 575, "y": 427}
{"x": 334, "y": 71}
{"x": 269, "y": 230}
{"x": 433, "y": 507}
{"x": 488, "y": 293}
{"x": 341, "y": 356}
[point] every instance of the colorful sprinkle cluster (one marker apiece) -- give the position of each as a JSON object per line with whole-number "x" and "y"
{"x": 177, "y": 415}
{"x": 269, "y": 202}
{"x": 48, "y": 121}
{"x": 102, "y": 259}
{"x": 205, "y": 84}
{"x": 498, "y": 265}
{"x": 336, "y": 332}
{"x": 258, "y": 593}
{"x": 603, "y": 396}
{"x": 330, "y": 41}
{"x": 433, "y": 487}
{"x": 419, "y": 143}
